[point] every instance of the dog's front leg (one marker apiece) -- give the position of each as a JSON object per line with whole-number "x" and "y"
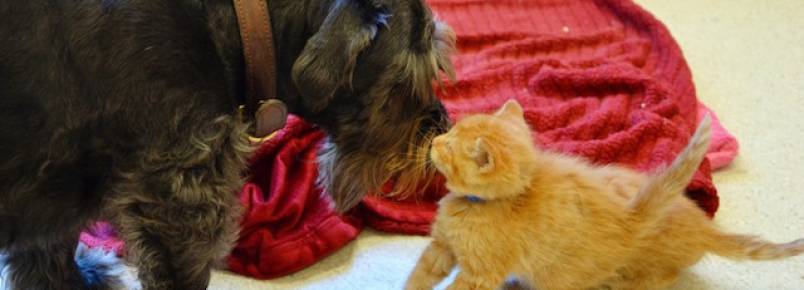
{"x": 178, "y": 211}
{"x": 168, "y": 255}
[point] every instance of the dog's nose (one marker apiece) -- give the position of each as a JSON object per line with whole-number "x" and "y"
{"x": 437, "y": 120}
{"x": 439, "y": 110}
{"x": 440, "y": 115}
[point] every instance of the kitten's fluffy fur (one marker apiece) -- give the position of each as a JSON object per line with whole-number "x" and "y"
{"x": 558, "y": 222}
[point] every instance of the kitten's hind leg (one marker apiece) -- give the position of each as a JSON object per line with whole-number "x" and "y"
{"x": 435, "y": 263}
{"x": 644, "y": 280}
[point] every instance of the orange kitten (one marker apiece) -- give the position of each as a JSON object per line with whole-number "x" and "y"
{"x": 558, "y": 222}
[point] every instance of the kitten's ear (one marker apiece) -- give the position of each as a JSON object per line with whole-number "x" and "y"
{"x": 511, "y": 108}
{"x": 480, "y": 155}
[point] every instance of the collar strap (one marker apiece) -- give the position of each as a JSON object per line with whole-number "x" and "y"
{"x": 257, "y": 40}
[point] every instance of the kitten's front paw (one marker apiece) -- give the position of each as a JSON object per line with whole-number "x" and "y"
{"x": 413, "y": 285}
{"x": 476, "y": 283}
{"x": 464, "y": 285}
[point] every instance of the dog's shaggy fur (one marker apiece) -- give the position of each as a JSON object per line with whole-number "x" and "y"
{"x": 124, "y": 110}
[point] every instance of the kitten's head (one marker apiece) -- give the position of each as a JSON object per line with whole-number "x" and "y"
{"x": 486, "y": 155}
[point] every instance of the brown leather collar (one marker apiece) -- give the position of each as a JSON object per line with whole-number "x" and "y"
{"x": 257, "y": 39}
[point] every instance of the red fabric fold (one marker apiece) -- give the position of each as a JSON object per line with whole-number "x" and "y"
{"x": 288, "y": 223}
{"x": 602, "y": 79}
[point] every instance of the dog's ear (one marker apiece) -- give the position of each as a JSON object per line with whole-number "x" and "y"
{"x": 328, "y": 59}
{"x": 421, "y": 40}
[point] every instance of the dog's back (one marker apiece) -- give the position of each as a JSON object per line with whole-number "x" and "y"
{"x": 79, "y": 95}
{"x": 108, "y": 105}
{"x": 56, "y": 109}
{"x": 36, "y": 91}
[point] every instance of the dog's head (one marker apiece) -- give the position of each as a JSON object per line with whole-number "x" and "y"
{"x": 366, "y": 76}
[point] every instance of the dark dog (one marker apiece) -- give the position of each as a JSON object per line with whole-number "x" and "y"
{"x": 124, "y": 110}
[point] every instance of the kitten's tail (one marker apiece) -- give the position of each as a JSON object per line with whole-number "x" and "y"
{"x": 658, "y": 194}
{"x": 743, "y": 247}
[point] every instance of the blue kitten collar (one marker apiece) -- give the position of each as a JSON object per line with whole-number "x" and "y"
{"x": 474, "y": 198}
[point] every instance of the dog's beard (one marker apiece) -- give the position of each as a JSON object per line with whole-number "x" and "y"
{"x": 412, "y": 171}
{"x": 348, "y": 174}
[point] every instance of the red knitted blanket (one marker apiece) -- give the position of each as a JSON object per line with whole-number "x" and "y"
{"x": 601, "y": 79}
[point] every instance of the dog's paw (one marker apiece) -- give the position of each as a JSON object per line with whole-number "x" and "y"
{"x": 104, "y": 270}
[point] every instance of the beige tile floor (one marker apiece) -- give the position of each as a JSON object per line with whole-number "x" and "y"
{"x": 747, "y": 57}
